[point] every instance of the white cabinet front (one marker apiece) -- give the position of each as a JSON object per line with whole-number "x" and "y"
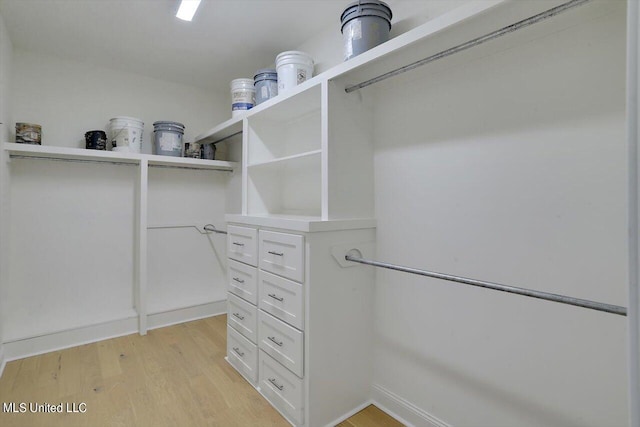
{"x": 282, "y": 388}
{"x": 242, "y": 280}
{"x": 282, "y": 298}
{"x": 242, "y": 354}
{"x": 282, "y": 342}
{"x": 282, "y": 254}
{"x": 242, "y": 244}
{"x": 242, "y": 316}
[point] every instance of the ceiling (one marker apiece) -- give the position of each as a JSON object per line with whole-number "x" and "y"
{"x": 227, "y": 39}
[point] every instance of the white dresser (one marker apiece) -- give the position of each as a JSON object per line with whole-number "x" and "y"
{"x": 298, "y": 322}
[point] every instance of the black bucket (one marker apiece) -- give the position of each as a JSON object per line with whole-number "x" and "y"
{"x": 96, "y": 140}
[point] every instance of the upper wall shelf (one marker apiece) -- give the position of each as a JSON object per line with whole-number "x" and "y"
{"x": 460, "y": 26}
{"x": 467, "y": 22}
{"x": 233, "y": 126}
{"x": 66, "y": 153}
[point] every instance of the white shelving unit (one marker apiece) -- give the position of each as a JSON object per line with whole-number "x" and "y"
{"x": 308, "y": 157}
{"x": 142, "y": 162}
{"x": 64, "y": 153}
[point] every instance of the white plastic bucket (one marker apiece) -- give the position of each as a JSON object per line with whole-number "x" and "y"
{"x": 167, "y": 137}
{"x": 125, "y": 134}
{"x": 293, "y": 67}
{"x": 243, "y": 96}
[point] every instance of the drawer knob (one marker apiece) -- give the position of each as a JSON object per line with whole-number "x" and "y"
{"x": 238, "y": 244}
{"x": 276, "y": 253}
{"x": 238, "y": 316}
{"x": 276, "y": 297}
{"x": 237, "y": 350}
{"x": 275, "y": 384}
{"x": 238, "y": 280}
{"x": 273, "y": 340}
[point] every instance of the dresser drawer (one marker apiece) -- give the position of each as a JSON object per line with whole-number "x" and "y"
{"x": 282, "y": 298}
{"x": 242, "y": 244}
{"x": 283, "y": 389}
{"x": 282, "y": 254}
{"x": 242, "y": 316}
{"x": 242, "y": 354}
{"x": 281, "y": 341}
{"x": 242, "y": 280}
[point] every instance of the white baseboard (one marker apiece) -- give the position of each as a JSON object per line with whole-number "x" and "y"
{"x": 54, "y": 341}
{"x": 3, "y": 361}
{"x": 350, "y": 413}
{"x": 403, "y": 410}
{"x": 182, "y": 315}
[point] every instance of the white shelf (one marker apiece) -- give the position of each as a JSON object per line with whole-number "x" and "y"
{"x": 307, "y": 224}
{"x": 286, "y": 159}
{"x": 224, "y": 130}
{"x": 66, "y": 153}
{"x": 460, "y": 25}
{"x": 190, "y": 163}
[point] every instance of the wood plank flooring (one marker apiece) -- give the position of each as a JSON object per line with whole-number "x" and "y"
{"x": 174, "y": 376}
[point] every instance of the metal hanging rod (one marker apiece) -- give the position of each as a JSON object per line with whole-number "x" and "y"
{"x": 208, "y": 228}
{"x": 211, "y": 227}
{"x": 58, "y": 159}
{"x": 471, "y": 43}
{"x": 111, "y": 162}
{"x": 225, "y": 138}
{"x": 190, "y": 168}
{"x": 354, "y": 255}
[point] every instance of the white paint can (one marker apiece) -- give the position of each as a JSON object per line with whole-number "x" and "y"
{"x": 293, "y": 68}
{"x": 243, "y": 96}
{"x": 125, "y": 134}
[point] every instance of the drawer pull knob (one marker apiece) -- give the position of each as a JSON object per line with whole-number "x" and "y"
{"x": 276, "y": 297}
{"x": 275, "y": 384}
{"x": 273, "y": 340}
{"x": 238, "y": 316}
{"x": 238, "y": 244}
{"x": 237, "y": 350}
{"x": 276, "y": 253}
{"x": 238, "y": 280}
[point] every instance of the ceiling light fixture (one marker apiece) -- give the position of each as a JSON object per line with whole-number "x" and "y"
{"x": 187, "y": 9}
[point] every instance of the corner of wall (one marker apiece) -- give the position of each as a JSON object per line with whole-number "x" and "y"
{"x": 6, "y": 55}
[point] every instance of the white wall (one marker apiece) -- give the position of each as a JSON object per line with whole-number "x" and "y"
{"x": 509, "y": 168}
{"x": 69, "y": 98}
{"x": 185, "y": 267}
{"x": 6, "y": 51}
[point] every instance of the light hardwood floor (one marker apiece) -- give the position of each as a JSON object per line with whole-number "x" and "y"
{"x": 174, "y": 376}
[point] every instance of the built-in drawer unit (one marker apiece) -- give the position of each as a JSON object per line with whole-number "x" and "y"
{"x": 242, "y": 244}
{"x": 282, "y": 342}
{"x": 283, "y": 389}
{"x": 242, "y": 316}
{"x": 243, "y": 355}
{"x": 282, "y": 254}
{"x": 282, "y": 298}
{"x": 242, "y": 280}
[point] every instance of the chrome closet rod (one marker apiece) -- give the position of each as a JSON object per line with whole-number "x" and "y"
{"x": 223, "y": 139}
{"x": 190, "y": 168}
{"x": 58, "y": 159}
{"x": 471, "y": 43}
{"x": 110, "y": 162}
{"x": 211, "y": 227}
{"x": 599, "y": 306}
{"x": 208, "y": 227}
